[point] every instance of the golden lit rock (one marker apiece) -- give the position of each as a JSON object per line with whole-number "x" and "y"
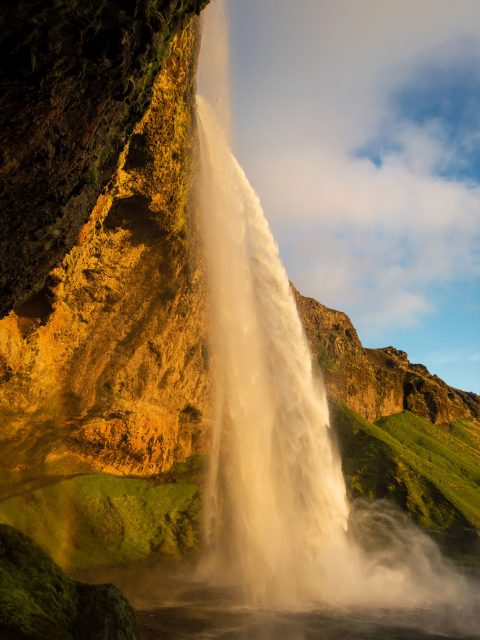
{"x": 105, "y": 369}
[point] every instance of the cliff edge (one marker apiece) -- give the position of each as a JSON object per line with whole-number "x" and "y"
{"x": 377, "y": 382}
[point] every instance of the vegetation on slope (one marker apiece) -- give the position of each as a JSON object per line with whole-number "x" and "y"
{"x": 429, "y": 471}
{"x": 103, "y": 520}
{"x": 444, "y": 455}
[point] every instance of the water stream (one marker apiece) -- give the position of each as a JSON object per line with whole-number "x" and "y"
{"x": 285, "y": 556}
{"x": 277, "y": 528}
{"x": 277, "y": 523}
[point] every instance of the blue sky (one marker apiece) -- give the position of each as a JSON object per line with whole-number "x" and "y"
{"x": 358, "y": 123}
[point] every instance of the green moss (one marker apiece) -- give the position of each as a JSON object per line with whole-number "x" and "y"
{"x": 190, "y": 470}
{"x": 96, "y": 520}
{"x": 35, "y": 596}
{"x": 38, "y": 601}
{"x": 92, "y": 177}
{"x": 327, "y": 361}
{"x": 428, "y": 471}
{"x": 444, "y": 458}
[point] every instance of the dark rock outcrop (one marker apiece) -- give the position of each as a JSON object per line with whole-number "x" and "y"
{"x": 75, "y": 77}
{"x": 38, "y": 601}
{"x": 377, "y": 382}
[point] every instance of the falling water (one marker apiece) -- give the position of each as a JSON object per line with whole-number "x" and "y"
{"x": 275, "y": 483}
{"x": 276, "y": 515}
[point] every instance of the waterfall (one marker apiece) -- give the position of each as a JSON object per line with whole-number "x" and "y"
{"x": 276, "y": 523}
{"x": 276, "y": 498}
{"x": 276, "y": 519}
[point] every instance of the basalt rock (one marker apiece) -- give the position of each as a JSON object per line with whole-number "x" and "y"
{"x": 75, "y": 77}
{"x": 105, "y": 368}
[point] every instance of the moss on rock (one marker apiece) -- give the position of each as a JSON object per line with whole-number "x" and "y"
{"x": 38, "y": 601}
{"x": 103, "y": 520}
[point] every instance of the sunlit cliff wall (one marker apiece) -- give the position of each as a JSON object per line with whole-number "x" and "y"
{"x": 377, "y": 382}
{"x": 109, "y": 372}
{"x": 75, "y": 77}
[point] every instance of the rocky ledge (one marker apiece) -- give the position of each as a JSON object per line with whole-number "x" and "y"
{"x": 377, "y": 382}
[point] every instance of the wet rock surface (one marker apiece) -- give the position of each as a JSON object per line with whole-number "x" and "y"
{"x": 38, "y": 601}
{"x": 75, "y": 77}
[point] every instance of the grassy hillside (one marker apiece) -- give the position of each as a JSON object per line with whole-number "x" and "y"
{"x": 91, "y": 520}
{"x": 98, "y": 519}
{"x": 430, "y": 471}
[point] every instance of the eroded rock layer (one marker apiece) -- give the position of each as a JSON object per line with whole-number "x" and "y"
{"x": 75, "y": 77}
{"x": 105, "y": 369}
{"x": 377, "y": 382}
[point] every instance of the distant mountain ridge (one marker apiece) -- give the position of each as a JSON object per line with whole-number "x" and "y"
{"x": 377, "y": 382}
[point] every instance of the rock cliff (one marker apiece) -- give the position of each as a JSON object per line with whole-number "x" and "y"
{"x": 75, "y": 77}
{"x": 377, "y": 382}
{"x": 105, "y": 368}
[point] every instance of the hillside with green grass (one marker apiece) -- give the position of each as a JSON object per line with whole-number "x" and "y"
{"x": 95, "y": 520}
{"x": 430, "y": 471}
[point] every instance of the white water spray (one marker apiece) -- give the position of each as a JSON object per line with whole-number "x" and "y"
{"x": 276, "y": 515}
{"x": 274, "y": 470}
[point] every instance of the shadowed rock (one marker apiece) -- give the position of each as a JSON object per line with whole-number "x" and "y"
{"x": 38, "y": 601}
{"x": 75, "y": 77}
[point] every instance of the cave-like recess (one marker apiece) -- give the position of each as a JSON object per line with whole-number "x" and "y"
{"x": 75, "y": 77}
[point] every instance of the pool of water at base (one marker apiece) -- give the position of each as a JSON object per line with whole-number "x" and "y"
{"x": 188, "y": 622}
{"x": 172, "y": 606}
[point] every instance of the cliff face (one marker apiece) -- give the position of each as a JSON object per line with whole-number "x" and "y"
{"x": 75, "y": 77}
{"x": 105, "y": 369}
{"x": 377, "y": 382}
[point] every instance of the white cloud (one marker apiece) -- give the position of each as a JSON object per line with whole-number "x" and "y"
{"x": 368, "y": 239}
{"x": 450, "y": 356}
{"x": 378, "y": 238}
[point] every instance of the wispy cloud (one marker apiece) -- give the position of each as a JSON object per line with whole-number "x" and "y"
{"x": 450, "y": 356}
{"x": 371, "y": 189}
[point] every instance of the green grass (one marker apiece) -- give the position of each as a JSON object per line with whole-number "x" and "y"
{"x": 432, "y": 472}
{"x": 105, "y": 520}
{"x": 445, "y": 456}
